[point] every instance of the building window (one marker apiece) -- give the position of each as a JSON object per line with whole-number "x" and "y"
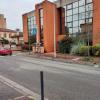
{"x": 69, "y": 6}
{"x": 75, "y": 4}
{"x": 31, "y": 24}
{"x": 41, "y": 25}
{"x": 79, "y": 18}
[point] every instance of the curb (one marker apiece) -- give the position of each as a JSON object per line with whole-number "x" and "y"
{"x": 61, "y": 60}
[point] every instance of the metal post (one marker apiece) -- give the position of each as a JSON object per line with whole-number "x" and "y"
{"x": 88, "y": 34}
{"x": 55, "y": 32}
{"x": 29, "y": 41}
{"x": 87, "y": 30}
{"x": 42, "y": 85}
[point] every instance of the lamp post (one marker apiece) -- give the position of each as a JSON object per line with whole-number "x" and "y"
{"x": 87, "y": 30}
{"x": 88, "y": 33}
{"x": 55, "y": 54}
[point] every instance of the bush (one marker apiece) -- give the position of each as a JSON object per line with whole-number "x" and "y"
{"x": 96, "y": 50}
{"x": 74, "y": 49}
{"x": 65, "y": 45}
{"x": 83, "y": 50}
{"x": 26, "y": 47}
{"x": 4, "y": 41}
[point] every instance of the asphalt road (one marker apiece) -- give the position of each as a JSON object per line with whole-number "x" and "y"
{"x": 7, "y": 93}
{"x": 63, "y": 81}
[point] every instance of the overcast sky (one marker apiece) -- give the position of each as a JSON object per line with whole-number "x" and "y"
{"x": 13, "y": 10}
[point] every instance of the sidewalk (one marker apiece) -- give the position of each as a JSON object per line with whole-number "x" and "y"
{"x": 65, "y": 58}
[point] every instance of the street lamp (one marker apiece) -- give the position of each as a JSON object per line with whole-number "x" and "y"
{"x": 87, "y": 29}
{"x": 55, "y": 54}
{"x": 88, "y": 32}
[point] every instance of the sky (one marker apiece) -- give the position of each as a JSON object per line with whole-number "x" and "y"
{"x": 13, "y": 10}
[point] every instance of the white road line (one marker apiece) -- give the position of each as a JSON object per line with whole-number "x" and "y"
{"x": 1, "y": 56}
{"x": 16, "y": 54}
{"x": 19, "y": 88}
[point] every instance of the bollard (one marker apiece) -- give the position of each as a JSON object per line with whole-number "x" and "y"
{"x": 42, "y": 85}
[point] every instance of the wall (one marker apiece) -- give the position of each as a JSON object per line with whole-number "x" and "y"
{"x": 25, "y": 28}
{"x": 96, "y": 22}
{"x": 8, "y": 35}
{"x": 48, "y": 20}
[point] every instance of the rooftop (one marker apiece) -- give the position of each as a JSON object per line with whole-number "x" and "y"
{"x": 7, "y": 30}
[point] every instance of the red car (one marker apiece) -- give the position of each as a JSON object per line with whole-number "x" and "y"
{"x": 4, "y": 51}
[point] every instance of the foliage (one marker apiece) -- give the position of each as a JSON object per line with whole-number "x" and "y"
{"x": 32, "y": 39}
{"x": 65, "y": 45}
{"x": 75, "y": 49}
{"x": 96, "y": 50}
{"x": 4, "y": 41}
{"x": 26, "y": 47}
{"x": 83, "y": 50}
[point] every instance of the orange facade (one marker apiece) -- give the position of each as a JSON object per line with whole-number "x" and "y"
{"x": 49, "y": 14}
{"x": 25, "y": 28}
{"x": 96, "y": 22}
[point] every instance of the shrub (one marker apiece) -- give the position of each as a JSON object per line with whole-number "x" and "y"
{"x": 4, "y": 41}
{"x": 75, "y": 49}
{"x": 83, "y": 50}
{"x": 26, "y": 47}
{"x": 64, "y": 46}
{"x": 96, "y": 50}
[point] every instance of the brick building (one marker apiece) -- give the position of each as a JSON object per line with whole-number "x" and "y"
{"x": 74, "y": 18}
{"x": 2, "y": 21}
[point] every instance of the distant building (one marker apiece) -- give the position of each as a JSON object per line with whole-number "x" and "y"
{"x": 7, "y": 33}
{"x": 11, "y": 35}
{"x": 2, "y": 21}
{"x": 17, "y": 38}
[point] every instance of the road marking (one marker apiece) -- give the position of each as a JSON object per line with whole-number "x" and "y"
{"x": 16, "y": 54}
{"x": 19, "y": 88}
{"x": 1, "y": 56}
{"x": 23, "y": 98}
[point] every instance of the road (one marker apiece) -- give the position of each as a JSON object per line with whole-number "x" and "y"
{"x": 63, "y": 81}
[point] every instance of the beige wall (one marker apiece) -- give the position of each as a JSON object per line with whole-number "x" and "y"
{"x": 7, "y": 35}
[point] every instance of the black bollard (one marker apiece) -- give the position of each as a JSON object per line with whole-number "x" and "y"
{"x": 42, "y": 85}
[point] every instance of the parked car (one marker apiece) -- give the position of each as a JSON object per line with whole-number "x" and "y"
{"x": 4, "y": 51}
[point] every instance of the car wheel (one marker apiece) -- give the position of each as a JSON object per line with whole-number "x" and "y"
{"x": 10, "y": 54}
